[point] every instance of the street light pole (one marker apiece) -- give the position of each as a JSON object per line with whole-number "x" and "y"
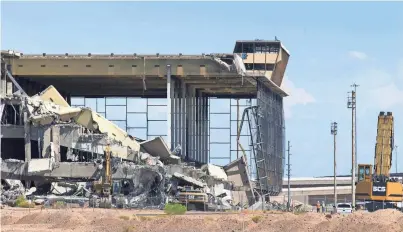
{"x": 333, "y": 131}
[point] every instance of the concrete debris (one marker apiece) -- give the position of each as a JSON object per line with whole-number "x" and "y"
{"x": 157, "y": 146}
{"x": 177, "y": 151}
{"x": 214, "y": 170}
{"x": 239, "y": 64}
{"x": 48, "y": 107}
{"x": 189, "y": 180}
{"x": 237, "y": 172}
{"x": 70, "y": 161}
{"x": 41, "y": 165}
{"x": 10, "y": 191}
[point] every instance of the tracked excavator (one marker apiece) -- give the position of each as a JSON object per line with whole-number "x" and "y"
{"x": 377, "y": 189}
{"x": 103, "y": 187}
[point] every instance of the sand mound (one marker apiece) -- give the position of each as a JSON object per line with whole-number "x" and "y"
{"x": 101, "y": 220}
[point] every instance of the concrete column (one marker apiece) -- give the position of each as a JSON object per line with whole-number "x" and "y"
{"x": 188, "y": 122}
{"x": 191, "y": 127}
{"x": 202, "y": 131}
{"x": 173, "y": 114}
{"x": 27, "y": 137}
{"x": 201, "y": 127}
{"x": 56, "y": 143}
{"x": 194, "y": 134}
{"x": 46, "y": 139}
{"x": 169, "y": 121}
{"x": 178, "y": 113}
{"x": 205, "y": 127}
{"x": 183, "y": 121}
{"x": 3, "y": 82}
{"x": 197, "y": 132}
{"x": 9, "y": 88}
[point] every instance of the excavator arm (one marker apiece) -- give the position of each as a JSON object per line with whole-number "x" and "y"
{"x": 384, "y": 144}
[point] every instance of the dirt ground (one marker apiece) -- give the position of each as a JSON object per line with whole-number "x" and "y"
{"x": 100, "y": 220}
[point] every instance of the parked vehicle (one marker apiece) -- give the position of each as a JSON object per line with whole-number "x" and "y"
{"x": 344, "y": 208}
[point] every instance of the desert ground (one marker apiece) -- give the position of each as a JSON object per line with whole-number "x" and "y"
{"x": 100, "y": 220}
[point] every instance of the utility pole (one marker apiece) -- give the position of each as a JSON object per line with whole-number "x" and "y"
{"x": 351, "y": 104}
{"x": 288, "y": 175}
{"x": 355, "y": 127}
{"x": 333, "y": 131}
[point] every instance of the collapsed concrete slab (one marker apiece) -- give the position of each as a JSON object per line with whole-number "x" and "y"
{"x": 214, "y": 170}
{"x": 48, "y": 107}
{"x": 189, "y": 180}
{"x": 17, "y": 169}
{"x": 158, "y": 147}
{"x": 40, "y": 165}
{"x": 237, "y": 172}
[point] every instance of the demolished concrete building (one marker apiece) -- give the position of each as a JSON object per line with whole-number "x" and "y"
{"x": 45, "y": 140}
{"x": 69, "y": 143}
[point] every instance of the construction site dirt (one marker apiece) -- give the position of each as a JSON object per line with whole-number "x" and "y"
{"x": 13, "y": 219}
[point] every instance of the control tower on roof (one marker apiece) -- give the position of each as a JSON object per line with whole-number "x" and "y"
{"x": 263, "y": 57}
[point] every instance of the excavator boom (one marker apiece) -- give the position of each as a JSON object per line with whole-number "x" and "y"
{"x": 384, "y": 144}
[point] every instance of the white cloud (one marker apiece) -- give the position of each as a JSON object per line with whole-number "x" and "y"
{"x": 387, "y": 96}
{"x": 357, "y": 55}
{"x": 298, "y": 96}
{"x": 379, "y": 89}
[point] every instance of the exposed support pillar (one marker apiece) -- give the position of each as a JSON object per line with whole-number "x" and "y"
{"x": 191, "y": 124}
{"x": 206, "y": 130}
{"x": 27, "y": 135}
{"x": 203, "y": 128}
{"x": 183, "y": 121}
{"x": 46, "y": 139}
{"x": 188, "y": 122}
{"x": 9, "y": 83}
{"x": 3, "y": 81}
{"x": 178, "y": 113}
{"x": 56, "y": 143}
{"x": 173, "y": 114}
{"x": 194, "y": 124}
{"x": 197, "y": 120}
{"x": 169, "y": 121}
{"x": 199, "y": 126}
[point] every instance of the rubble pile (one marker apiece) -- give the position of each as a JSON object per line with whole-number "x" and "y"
{"x": 71, "y": 144}
{"x": 10, "y": 191}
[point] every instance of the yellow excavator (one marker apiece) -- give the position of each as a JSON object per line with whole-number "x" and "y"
{"x": 103, "y": 187}
{"x": 378, "y": 189}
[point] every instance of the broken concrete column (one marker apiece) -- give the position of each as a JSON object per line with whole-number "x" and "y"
{"x": 55, "y": 148}
{"x": 27, "y": 137}
{"x": 46, "y": 139}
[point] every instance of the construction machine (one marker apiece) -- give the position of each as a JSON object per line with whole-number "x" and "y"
{"x": 104, "y": 185}
{"x": 377, "y": 188}
{"x": 193, "y": 199}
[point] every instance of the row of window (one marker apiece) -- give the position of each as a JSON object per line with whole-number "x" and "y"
{"x": 257, "y": 48}
{"x": 110, "y": 66}
{"x": 256, "y": 66}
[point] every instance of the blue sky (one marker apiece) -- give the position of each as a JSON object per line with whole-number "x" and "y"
{"x": 332, "y": 45}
